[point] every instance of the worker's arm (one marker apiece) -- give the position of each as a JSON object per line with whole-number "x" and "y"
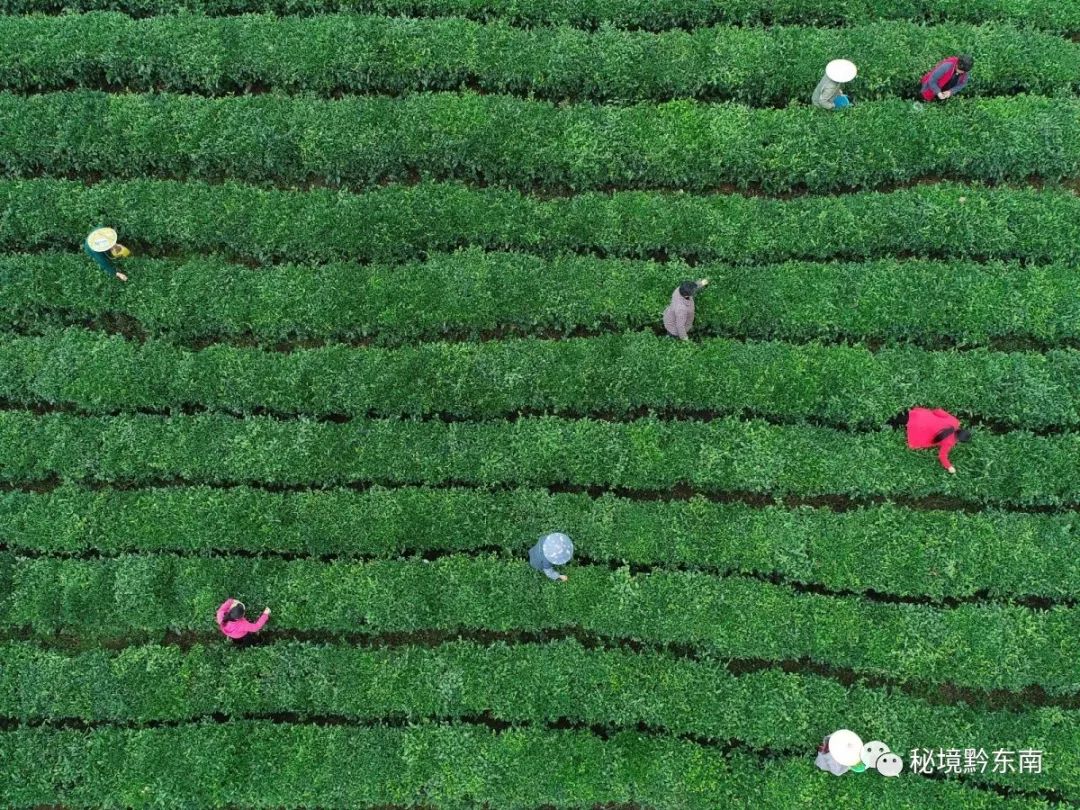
{"x": 680, "y": 323}
{"x": 100, "y": 259}
{"x": 943, "y": 452}
{"x": 961, "y": 83}
{"x": 221, "y": 611}
{"x": 258, "y": 624}
{"x": 935, "y": 78}
{"x": 551, "y": 573}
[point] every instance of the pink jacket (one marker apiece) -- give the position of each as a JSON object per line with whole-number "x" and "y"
{"x": 924, "y": 424}
{"x": 241, "y": 627}
{"x": 679, "y": 316}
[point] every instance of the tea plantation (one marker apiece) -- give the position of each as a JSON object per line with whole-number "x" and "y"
{"x": 394, "y": 311}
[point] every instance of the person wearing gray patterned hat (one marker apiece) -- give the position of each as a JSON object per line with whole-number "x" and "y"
{"x": 551, "y": 550}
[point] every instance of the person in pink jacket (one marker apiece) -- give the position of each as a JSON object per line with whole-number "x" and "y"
{"x": 935, "y": 428}
{"x": 679, "y": 316}
{"x": 231, "y": 621}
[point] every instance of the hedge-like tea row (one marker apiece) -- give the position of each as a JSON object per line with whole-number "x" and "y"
{"x": 261, "y": 764}
{"x": 610, "y": 374}
{"x": 721, "y": 455}
{"x": 472, "y": 291}
{"x": 359, "y": 53}
{"x": 522, "y": 683}
{"x": 1052, "y": 15}
{"x": 360, "y": 142}
{"x": 1003, "y": 646}
{"x": 397, "y": 222}
{"x": 888, "y": 549}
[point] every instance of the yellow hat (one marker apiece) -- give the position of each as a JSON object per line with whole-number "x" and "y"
{"x": 101, "y": 240}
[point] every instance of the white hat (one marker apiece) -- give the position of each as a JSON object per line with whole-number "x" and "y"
{"x": 841, "y": 70}
{"x": 101, "y": 240}
{"x": 557, "y": 547}
{"x": 845, "y": 747}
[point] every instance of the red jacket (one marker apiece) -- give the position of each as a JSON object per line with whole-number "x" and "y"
{"x": 924, "y": 424}
{"x": 241, "y": 627}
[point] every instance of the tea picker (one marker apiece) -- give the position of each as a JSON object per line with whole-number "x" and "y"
{"x": 840, "y": 752}
{"x": 829, "y": 94}
{"x": 101, "y": 246}
{"x": 948, "y": 78}
{"x": 551, "y": 550}
{"x": 935, "y": 428}
{"x": 679, "y": 315}
{"x": 233, "y": 623}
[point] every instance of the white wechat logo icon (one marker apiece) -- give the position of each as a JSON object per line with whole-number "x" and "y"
{"x": 890, "y": 764}
{"x": 872, "y": 751}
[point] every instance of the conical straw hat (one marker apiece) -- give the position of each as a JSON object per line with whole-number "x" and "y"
{"x": 557, "y": 548}
{"x": 841, "y": 70}
{"x": 102, "y": 239}
{"x": 845, "y": 747}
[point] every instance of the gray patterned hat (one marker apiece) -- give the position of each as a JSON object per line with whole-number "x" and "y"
{"x": 557, "y": 547}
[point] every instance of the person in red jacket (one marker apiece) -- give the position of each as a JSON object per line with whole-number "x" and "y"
{"x": 935, "y": 428}
{"x": 231, "y": 621}
{"x": 948, "y": 78}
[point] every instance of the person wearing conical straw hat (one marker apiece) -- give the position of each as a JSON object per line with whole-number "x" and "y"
{"x": 839, "y": 752}
{"x": 551, "y": 550}
{"x": 101, "y": 246}
{"x": 829, "y": 94}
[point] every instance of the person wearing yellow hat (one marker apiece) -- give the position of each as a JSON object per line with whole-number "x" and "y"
{"x": 101, "y": 246}
{"x": 829, "y": 94}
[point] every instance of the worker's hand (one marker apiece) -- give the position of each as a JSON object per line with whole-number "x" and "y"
{"x": 703, "y": 282}
{"x": 562, "y": 577}
{"x": 944, "y": 94}
{"x": 685, "y": 337}
{"x": 121, "y": 276}
{"x": 267, "y": 611}
{"x": 952, "y": 470}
